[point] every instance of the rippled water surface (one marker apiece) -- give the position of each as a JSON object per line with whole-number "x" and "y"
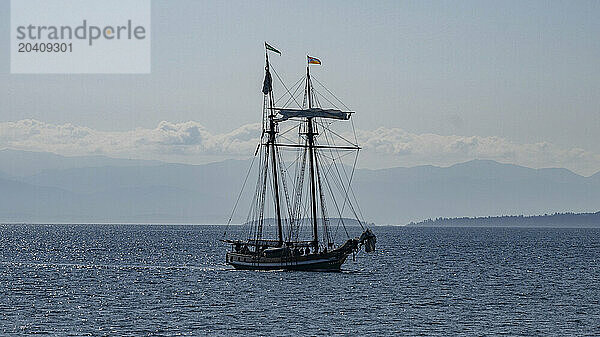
{"x": 133, "y": 280}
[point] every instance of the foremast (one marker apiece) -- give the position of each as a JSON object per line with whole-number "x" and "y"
{"x": 272, "y": 148}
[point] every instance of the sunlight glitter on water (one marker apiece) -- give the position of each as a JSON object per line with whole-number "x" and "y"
{"x": 167, "y": 280}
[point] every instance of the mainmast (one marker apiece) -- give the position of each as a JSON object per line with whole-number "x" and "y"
{"x": 310, "y": 134}
{"x": 272, "y": 131}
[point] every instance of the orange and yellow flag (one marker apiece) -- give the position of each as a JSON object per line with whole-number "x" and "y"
{"x": 313, "y": 60}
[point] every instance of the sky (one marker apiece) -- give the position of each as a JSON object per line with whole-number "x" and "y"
{"x": 432, "y": 82}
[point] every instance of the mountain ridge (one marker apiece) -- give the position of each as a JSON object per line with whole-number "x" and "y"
{"x": 132, "y": 191}
{"x": 22, "y": 163}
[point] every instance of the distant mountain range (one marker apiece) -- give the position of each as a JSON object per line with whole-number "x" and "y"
{"x": 24, "y": 163}
{"x": 579, "y": 220}
{"x": 44, "y": 187}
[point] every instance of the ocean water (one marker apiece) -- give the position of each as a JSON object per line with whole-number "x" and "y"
{"x": 149, "y": 280}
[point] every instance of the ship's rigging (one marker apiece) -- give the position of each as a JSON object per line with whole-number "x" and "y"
{"x": 303, "y": 170}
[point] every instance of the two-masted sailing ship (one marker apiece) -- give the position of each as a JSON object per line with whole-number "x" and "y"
{"x": 302, "y": 177}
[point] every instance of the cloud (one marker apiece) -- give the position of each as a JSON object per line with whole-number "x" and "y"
{"x": 446, "y": 150}
{"x": 188, "y": 138}
{"x": 382, "y": 147}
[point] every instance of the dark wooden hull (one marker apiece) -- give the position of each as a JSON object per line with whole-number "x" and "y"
{"x": 315, "y": 262}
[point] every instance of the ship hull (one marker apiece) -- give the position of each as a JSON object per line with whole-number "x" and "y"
{"x": 314, "y": 262}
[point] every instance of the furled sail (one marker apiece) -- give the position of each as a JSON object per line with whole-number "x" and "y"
{"x": 313, "y": 112}
{"x": 267, "y": 83}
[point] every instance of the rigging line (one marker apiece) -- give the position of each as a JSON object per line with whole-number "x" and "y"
{"x": 284, "y": 173}
{"x": 284, "y": 137}
{"x": 302, "y": 210}
{"x": 273, "y": 225}
{"x": 280, "y": 80}
{"x": 264, "y": 115}
{"x": 285, "y": 167}
{"x": 294, "y": 162}
{"x": 297, "y": 92}
{"x": 305, "y": 98}
{"x": 328, "y": 175}
{"x": 252, "y": 216}
{"x": 352, "y": 190}
{"x": 345, "y": 153}
{"x": 256, "y": 207}
{"x": 346, "y": 174}
{"x": 288, "y": 175}
{"x": 354, "y": 131}
{"x": 299, "y": 187}
{"x": 293, "y": 86}
{"x": 331, "y": 140}
{"x": 341, "y": 220}
{"x": 341, "y": 180}
{"x": 261, "y": 209}
{"x": 252, "y": 211}
{"x": 330, "y": 150}
{"x": 291, "y": 214}
{"x": 239, "y": 195}
{"x": 332, "y": 193}
{"x": 305, "y": 212}
{"x": 272, "y": 189}
{"x": 293, "y": 127}
{"x": 332, "y": 158}
{"x": 331, "y": 93}
{"x": 331, "y": 136}
{"x": 330, "y": 102}
{"x": 347, "y": 190}
{"x": 251, "y": 219}
{"x": 301, "y": 204}
{"x": 324, "y": 217}
{"x": 362, "y": 218}
{"x": 340, "y": 136}
{"x": 329, "y": 167}
{"x": 315, "y": 97}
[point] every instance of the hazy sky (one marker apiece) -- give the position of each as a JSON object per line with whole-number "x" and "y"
{"x": 494, "y": 75}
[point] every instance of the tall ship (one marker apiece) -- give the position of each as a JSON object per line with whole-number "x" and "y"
{"x": 303, "y": 200}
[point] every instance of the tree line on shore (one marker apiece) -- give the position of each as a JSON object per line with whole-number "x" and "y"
{"x": 567, "y": 219}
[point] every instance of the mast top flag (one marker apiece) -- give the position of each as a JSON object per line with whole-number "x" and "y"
{"x": 268, "y": 82}
{"x": 271, "y": 48}
{"x": 313, "y": 60}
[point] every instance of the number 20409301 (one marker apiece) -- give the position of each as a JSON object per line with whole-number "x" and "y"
{"x": 45, "y": 47}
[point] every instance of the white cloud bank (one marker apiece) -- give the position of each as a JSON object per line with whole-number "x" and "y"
{"x": 446, "y": 150}
{"x": 192, "y": 142}
{"x": 189, "y": 138}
